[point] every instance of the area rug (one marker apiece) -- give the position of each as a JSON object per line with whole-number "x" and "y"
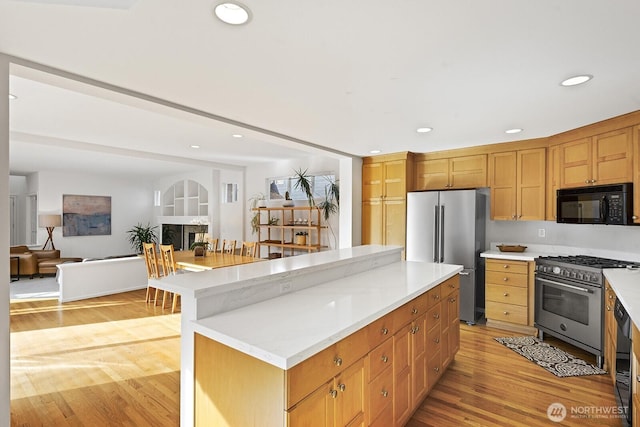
{"x": 554, "y": 360}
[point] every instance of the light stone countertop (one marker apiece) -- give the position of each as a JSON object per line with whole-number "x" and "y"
{"x": 289, "y": 329}
{"x": 626, "y": 284}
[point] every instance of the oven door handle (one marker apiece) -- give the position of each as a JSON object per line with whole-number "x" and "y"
{"x": 564, "y": 285}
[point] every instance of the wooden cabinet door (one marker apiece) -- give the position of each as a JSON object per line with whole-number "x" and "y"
{"x": 432, "y": 174}
{"x": 453, "y": 316}
{"x": 419, "y": 381}
{"x": 372, "y": 181}
{"x": 502, "y": 180}
{"x": 402, "y": 408}
{"x": 395, "y": 179}
{"x": 372, "y": 222}
{"x": 530, "y": 184}
{"x": 350, "y": 402}
{"x": 612, "y": 157}
{"x": 395, "y": 221}
{"x": 553, "y": 181}
{"x": 317, "y": 409}
{"x": 576, "y": 163}
{"x": 468, "y": 171}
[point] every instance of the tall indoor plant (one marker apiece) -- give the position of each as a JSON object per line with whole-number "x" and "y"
{"x": 140, "y": 234}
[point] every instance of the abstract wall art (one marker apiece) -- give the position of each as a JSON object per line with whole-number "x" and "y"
{"x": 86, "y": 215}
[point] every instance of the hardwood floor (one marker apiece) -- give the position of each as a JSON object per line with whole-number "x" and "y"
{"x": 114, "y": 361}
{"x": 110, "y": 361}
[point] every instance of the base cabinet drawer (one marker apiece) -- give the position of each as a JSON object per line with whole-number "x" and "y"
{"x": 507, "y": 312}
{"x": 506, "y": 294}
{"x": 504, "y": 278}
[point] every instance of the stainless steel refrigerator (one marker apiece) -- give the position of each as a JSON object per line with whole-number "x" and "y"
{"x": 449, "y": 227}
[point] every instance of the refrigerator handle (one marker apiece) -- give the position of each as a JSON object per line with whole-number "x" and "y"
{"x": 436, "y": 236}
{"x": 441, "y": 252}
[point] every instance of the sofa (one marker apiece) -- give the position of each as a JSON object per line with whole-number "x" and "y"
{"x": 36, "y": 261}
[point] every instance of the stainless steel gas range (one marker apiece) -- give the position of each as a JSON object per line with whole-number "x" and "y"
{"x": 569, "y": 299}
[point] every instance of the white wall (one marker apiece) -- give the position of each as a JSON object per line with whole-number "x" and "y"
{"x": 18, "y": 188}
{"x": 131, "y": 203}
{"x": 5, "y": 378}
{"x": 256, "y": 182}
{"x": 617, "y": 238}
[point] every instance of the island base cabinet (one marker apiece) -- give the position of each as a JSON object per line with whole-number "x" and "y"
{"x": 339, "y": 402}
{"x": 377, "y": 376}
{"x": 223, "y": 394}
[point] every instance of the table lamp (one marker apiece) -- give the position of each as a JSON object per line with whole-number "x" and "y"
{"x": 49, "y": 222}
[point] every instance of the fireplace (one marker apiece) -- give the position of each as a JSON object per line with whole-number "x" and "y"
{"x": 181, "y": 236}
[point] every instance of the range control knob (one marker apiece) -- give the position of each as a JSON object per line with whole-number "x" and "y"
{"x": 556, "y": 270}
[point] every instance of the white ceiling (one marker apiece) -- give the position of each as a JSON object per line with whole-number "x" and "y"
{"x": 352, "y": 76}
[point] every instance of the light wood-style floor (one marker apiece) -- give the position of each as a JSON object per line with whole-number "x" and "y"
{"x": 114, "y": 361}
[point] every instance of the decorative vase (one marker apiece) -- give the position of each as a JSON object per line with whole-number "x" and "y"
{"x": 200, "y": 251}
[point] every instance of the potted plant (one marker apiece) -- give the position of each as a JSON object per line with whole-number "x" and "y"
{"x": 258, "y": 200}
{"x": 303, "y": 183}
{"x": 200, "y": 244}
{"x": 301, "y": 238}
{"x": 140, "y": 234}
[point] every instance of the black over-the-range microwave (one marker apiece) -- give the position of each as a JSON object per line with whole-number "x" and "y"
{"x": 598, "y": 204}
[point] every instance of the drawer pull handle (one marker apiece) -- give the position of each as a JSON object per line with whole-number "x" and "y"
{"x": 506, "y": 266}
{"x": 437, "y": 341}
{"x": 333, "y": 393}
{"x": 385, "y": 393}
{"x": 436, "y": 369}
{"x": 384, "y": 331}
{"x": 506, "y": 294}
{"x": 436, "y": 297}
{"x": 608, "y": 308}
{"x": 384, "y": 359}
{"x": 415, "y": 329}
{"x": 337, "y": 361}
{"x": 610, "y": 296}
{"x": 436, "y": 315}
{"x": 638, "y": 378}
{"x": 342, "y": 387}
{"x": 506, "y": 313}
{"x": 505, "y": 279}
{"x": 452, "y": 300}
{"x": 414, "y": 310}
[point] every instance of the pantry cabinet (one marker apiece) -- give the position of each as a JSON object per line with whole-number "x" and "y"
{"x": 636, "y": 176}
{"x": 601, "y": 159}
{"x": 452, "y": 173}
{"x": 517, "y": 181}
{"x": 385, "y": 182}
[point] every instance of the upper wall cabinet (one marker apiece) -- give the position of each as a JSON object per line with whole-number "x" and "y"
{"x": 517, "y": 181}
{"x": 636, "y": 177}
{"x": 456, "y": 172}
{"x": 601, "y": 159}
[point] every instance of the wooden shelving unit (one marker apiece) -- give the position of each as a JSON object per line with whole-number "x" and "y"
{"x": 282, "y": 234}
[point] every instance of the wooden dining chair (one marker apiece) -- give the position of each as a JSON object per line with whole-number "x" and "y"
{"x": 153, "y": 269}
{"x": 213, "y": 245}
{"x": 228, "y": 246}
{"x": 169, "y": 268}
{"x": 249, "y": 249}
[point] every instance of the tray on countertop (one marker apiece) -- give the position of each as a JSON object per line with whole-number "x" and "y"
{"x": 511, "y": 248}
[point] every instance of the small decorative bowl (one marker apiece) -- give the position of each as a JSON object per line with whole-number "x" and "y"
{"x": 511, "y": 248}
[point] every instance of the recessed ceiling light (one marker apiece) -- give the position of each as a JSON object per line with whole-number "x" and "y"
{"x": 576, "y": 80}
{"x": 424, "y": 130}
{"x": 237, "y": 135}
{"x": 374, "y": 151}
{"x": 12, "y": 96}
{"x": 195, "y": 146}
{"x": 232, "y": 13}
{"x": 514, "y": 130}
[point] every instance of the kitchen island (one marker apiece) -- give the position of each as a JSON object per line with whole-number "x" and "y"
{"x": 302, "y": 323}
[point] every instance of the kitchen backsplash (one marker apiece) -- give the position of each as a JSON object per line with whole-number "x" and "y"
{"x": 611, "y": 241}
